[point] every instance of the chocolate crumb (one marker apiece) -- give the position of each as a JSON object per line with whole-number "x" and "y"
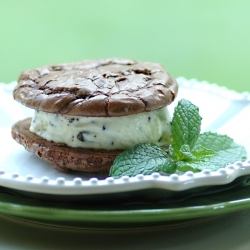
{"x": 80, "y": 136}
{"x": 121, "y": 79}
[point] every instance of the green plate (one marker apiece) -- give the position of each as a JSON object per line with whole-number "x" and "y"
{"x": 124, "y": 215}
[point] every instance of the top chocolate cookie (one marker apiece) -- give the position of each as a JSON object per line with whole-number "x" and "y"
{"x": 97, "y": 88}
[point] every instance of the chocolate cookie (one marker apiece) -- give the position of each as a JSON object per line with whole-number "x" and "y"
{"x": 62, "y": 157}
{"x": 107, "y": 87}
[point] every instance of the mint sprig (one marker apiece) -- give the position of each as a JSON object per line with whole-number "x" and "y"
{"x": 189, "y": 150}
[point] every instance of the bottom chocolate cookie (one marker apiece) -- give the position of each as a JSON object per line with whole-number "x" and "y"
{"x": 60, "y": 156}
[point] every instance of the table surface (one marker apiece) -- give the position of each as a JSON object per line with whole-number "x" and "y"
{"x": 223, "y": 232}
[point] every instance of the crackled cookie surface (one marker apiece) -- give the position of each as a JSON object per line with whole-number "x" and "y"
{"x": 100, "y": 88}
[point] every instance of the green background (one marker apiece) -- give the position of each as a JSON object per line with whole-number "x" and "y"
{"x": 206, "y": 40}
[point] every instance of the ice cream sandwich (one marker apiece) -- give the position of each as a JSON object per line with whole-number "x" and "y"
{"x": 87, "y": 112}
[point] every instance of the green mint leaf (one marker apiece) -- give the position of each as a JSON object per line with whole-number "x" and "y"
{"x": 144, "y": 158}
{"x": 186, "y": 153}
{"x": 184, "y": 166}
{"x": 186, "y": 125}
{"x": 202, "y": 154}
{"x": 169, "y": 167}
{"x": 197, "y": 155}
{"x": 226, "y": 151}
{"x": 171, "y": 153}
{"x": 214, "y": 141}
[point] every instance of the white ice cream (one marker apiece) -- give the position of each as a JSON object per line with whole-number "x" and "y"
{"x": 104, "y": 132}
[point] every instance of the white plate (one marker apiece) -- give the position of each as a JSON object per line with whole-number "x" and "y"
{"x": 23, "y": 171}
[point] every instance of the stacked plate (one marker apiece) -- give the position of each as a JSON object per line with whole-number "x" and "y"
{"x": 32, "y": 190}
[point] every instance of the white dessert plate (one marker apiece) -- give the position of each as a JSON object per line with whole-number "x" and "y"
{"x": 219, "y": 107}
